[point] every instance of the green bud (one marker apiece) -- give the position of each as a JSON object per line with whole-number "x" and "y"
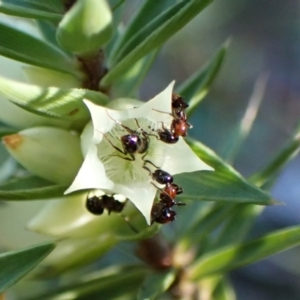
{"x": 73, "y": 220}
{"x": 46, "y": 77}
{"x": 51, "y": 153}
{"x": 73, "y": 253}
{"x": 85, "y": 27}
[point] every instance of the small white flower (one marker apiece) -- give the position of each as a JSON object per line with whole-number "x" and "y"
{"x": 106, "y": 168}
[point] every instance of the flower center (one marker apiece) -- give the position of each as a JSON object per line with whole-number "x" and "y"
{"x": 124, "y": 149}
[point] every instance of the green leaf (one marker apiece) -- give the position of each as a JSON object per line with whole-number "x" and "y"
{"x": 6, "y": 130}
{"x": 287, "y": 153}
{"x": 244, "y": 215}
{"x": 106, "y": 284}
{"x": 132, "y": 79}
{"x": 25, "y": 48}
{"x": 27, "y": 12}
{"x": 30, "y": 188}
{"x": 243, "y": 129}
{"x": 224, "y": 184}
{"x": 154, "y": 35}
{"x": 200, "y": 227}
{"x": 72, "y": 253}
{"x": 195, "y": 88}
{"x": 51, "y": 101}
{"x": 223, "y": 290}
{"x": 16, "y": 264}
{"x": 235, "y": 256}
{"x": 155, "y": 284}
{"x": 148, "y": 11}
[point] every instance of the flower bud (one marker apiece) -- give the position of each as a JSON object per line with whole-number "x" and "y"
{"x": 85, "y": 27}
{"x": 51, "y": 153}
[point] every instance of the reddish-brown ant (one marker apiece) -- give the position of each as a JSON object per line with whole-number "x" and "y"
{"x": 97, "y": 204}
{"x": 162, "y": 214}
{"x": 178, "y": 106}
{"x": 179, "y": 125}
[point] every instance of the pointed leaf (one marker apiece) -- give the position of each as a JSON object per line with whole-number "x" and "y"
{"x": 148, "y": 11}
{"x": 73, "y": 253}
{"x": 195, "y": 88}
{"x": 132, "y": 79}
{"x": 243, "y": 129}
{"x": 269, "y": 172}
{"x": 25, "y": 48}
{"x": 154, "y": 35}
{"x": 51, "y": 101}
{"x": 155, "y": 284}
{"x": 16, "y": 264}
{"x": 106, "y": 284}
{"x": 235, "y": 256}
{"x": 224, "y": 184}
{"x": 30, "y": 188}
{"x": 27, "y": 12}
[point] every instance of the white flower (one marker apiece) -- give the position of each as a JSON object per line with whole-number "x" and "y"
{"x": 104, "y": 166}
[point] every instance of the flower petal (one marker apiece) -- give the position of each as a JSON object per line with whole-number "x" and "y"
{"x": 91, "y": 174}
{"x": 157, "y": 109}
{"x": 141, "y": 194}
{"x": 180, "y": 159}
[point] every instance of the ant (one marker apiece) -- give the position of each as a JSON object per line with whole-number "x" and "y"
{"x": 162, "y": 214}
{"x": 133, "y": 142}
{"x": 97, "y": 204}
{"x": 168, "y": 194}
{"x": 158, "y": 175}
{"x": 178, "y": 106}
{"x": 179, "y": 125}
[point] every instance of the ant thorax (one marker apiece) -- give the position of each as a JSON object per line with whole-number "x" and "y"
{"x": 115, "y": 155}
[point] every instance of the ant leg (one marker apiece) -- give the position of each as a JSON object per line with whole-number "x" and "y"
{"x": 118, "y": 122}
{"x": 126, "y": 158}
{"x": 115, "y": 147}
{"x": 163, "y": 112}
{"x": 144, "y": 167}
{"x": 150, "y": 162}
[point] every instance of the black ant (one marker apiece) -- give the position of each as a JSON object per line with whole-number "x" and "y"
{"x": 133, "y": 142}
{"x": 158, "y": 175}
{"x": 97, "y": 204}
{"x": 162, "y": 214}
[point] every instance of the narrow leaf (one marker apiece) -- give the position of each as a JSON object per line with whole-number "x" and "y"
{"x": 51, "y": 101}
{"x": 239, "y": 255}
{"x": 25, "y": 48}
{"x": 243, "y": 129}
{"x": 148, "y": 11}
{"x": 269, "y": 172}
{"x": 16, "y": 264}
{"x": 29, "y": 188}
{"x": 195, "y": 88}
{"x": 132, "y": 79}
{"x": 224, "y": 184}
{"x": 155, "y": 284}
{"x": 154, "y": 35}
{"x": 26, "y": 12}
{"x": 106, "y": 284}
